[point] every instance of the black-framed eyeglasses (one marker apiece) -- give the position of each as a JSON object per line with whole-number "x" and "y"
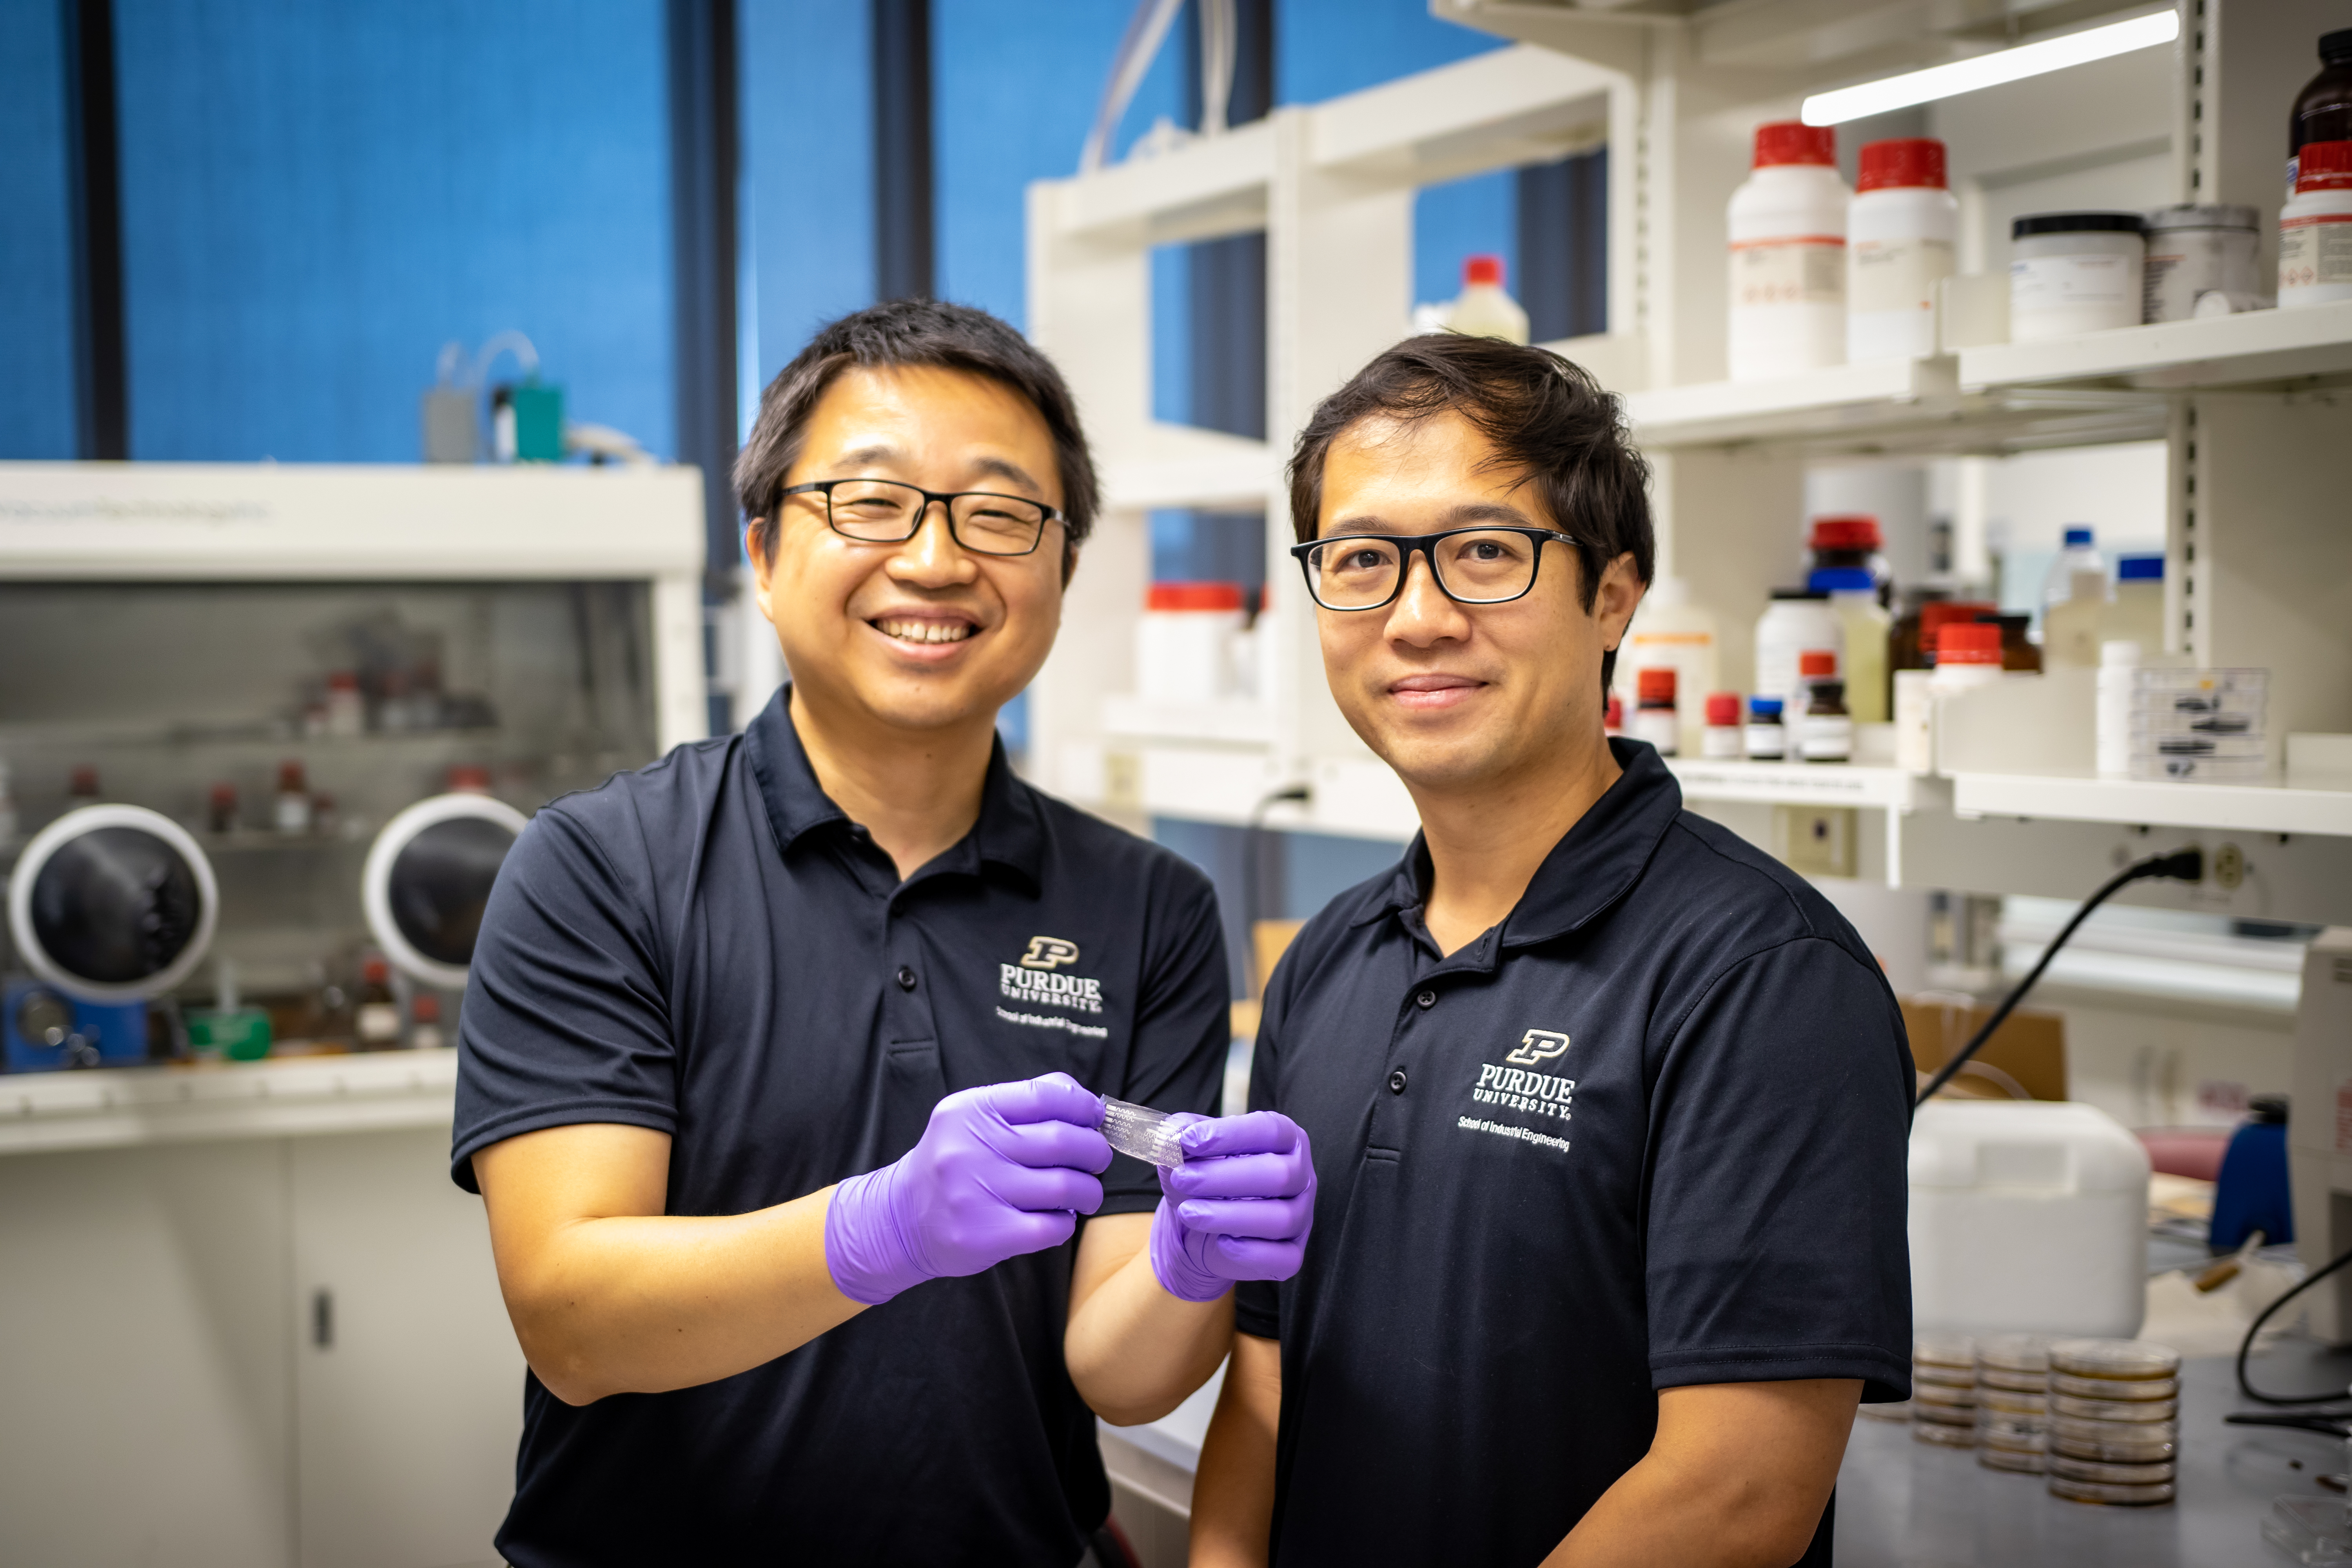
{"x": 1472, "y": 565}
{"x": 884, "y": 512}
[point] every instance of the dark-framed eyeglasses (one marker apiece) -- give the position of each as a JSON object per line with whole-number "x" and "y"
{"x": 1470, "y": 565}
{"x": 884, "y": 512}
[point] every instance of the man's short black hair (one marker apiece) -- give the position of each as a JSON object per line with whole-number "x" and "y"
{"x": 1549, "y": 419}
{"x": 904, "y": 333}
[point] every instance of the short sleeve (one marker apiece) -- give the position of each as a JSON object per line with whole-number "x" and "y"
{"x": 1777, "y": 1197}
{"x": 565, "y": 1019}
{"x": 1182, "y": 1026}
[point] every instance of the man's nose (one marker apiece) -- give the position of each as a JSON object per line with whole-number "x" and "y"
{"x": 932, "y": 558}
{"x": 1423, "y": 614}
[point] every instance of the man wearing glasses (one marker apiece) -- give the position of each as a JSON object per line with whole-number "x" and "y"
{"x": 1609, "y": 1109}
{"x": 782, "y": 1056}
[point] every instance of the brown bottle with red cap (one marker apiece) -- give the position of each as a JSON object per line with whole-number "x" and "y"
{"x": 1655, "y": 719}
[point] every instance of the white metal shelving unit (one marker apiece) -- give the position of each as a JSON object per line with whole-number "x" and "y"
{"x": 2256, "y": 409}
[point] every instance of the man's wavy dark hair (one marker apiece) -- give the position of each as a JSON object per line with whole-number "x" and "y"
{"x": 904, "y": 332}
{"x": 1551, "y": 425}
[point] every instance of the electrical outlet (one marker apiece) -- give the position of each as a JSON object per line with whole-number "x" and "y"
{"x": 1814, "y": 840}
{"x": 2227, "y": 868}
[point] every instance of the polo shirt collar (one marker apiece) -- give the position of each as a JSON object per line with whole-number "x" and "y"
{"x": 1009, "y": 833}
{"x": 1594, "y": 863}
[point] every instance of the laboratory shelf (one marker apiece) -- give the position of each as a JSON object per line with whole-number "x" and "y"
{"x": 1836, "y": 399}
{"x": 1798, "y": 784}
{"x": 1231, "y": 721}
{"x": 113, "y": 1107}
{"x": 1180, "y": 466}
{"x": 2258, "y": 348}
{"x": 1208, "y": 186}
{"x": 2241, "y": 808}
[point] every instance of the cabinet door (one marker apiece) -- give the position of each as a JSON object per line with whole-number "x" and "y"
{"x": 408, "y": 1383}
{"x": 145, "y": 1411}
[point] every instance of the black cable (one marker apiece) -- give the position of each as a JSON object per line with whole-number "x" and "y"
{"x": 2182, "y": 865}
{"x": 1252, "y": 893}
{"x": 2246, "y": 1346}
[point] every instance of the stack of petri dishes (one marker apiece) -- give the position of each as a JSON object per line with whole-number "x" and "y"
{"x": 2115, "y": 1421}
{"x": 2012, "y": 1402}
{"x": 1944, "y": 1390}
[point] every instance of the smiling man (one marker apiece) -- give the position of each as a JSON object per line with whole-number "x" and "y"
{"x": 782, "y": 1059}
{"x": 1609, "y": 1109}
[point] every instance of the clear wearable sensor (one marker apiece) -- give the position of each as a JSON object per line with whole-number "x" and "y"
{"x": 1142, "y": 1132}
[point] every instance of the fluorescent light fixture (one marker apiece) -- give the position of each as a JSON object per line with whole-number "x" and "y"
{"x": 1991, "y": 71}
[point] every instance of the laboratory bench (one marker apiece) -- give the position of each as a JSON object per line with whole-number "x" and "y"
{"x": 1905, "y": 1504}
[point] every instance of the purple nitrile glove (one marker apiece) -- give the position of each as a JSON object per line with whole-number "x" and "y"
{"x": 1239, "y": 1208}
{"x": 1000, "y": 1171}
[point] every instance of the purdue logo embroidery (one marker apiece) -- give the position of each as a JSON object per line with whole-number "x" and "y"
{"x": 1049, "y": 953}
{"x": 1537, "y": 1045}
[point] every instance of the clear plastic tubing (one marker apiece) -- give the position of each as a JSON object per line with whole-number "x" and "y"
{"x": 1142, "y": 1132}
{"x": 2074, "y": 272}
{"x": 1788, "y": 222}
{"x": 1901, "y": 231}
{"x": 2315, "y": 228}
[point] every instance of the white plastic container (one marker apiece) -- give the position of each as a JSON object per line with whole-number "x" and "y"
{"x": 2118, "y": 681}
{"x": 1788, "y": 225}
{"x": 2027, "y": 1215}
{"x": 2194, "y": 250}
{"x": 2135, "y": 611}
{"x": 1863, "y": 625}
{"x": 1671, "y": 632}
{"x": 1796, "y": 622}
{"x": 1183, "y": 643}
{"x": 2315, "y": 228}
{"x": 1483, "y": 310}
{"x": 2074, "y": 604}
{"x": 2074, "y": 272}
{"x": 1901, "y": 231}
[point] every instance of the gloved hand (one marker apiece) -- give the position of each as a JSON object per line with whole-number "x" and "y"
{"x": 1000, "y": 1171}
{"x": 1239, "y": 1208}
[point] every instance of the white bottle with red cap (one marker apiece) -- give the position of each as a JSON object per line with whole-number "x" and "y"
{"x": 1484, "y": 310}
{"x": 2315, "y": 228}
{"x": 1901, "y": 230}
{"x": 1787, "y": 256}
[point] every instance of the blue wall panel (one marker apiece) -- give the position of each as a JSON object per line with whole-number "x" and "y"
{"x": 36, "y": 385}
{"x": 315, "y": 198}
{"x": 1017, "y": 86}
{"x": 807, "y": 212}
{"x": 1476, "y": 217}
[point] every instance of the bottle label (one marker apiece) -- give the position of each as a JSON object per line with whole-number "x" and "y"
{"x": 1809, "y": 269}
{"x": 1829, "y": 737}
{"x": 1767, "y": 742}
{"x": 2314, "y": 250}
{"x": 2056, "y": 282}
{"x": 378, "y": 1022}
{"x": 1898, "y": 274}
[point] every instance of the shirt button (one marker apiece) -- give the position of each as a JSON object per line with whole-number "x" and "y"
{"x": 1396, "y": 1081}
{"x": 1426, "y": 999}
{"x": 906, "y": 978}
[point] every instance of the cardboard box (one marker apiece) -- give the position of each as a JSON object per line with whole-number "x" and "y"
{"x": 2029, "y": 1050}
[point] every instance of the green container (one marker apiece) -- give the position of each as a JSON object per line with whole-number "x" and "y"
{"x": 538, "y": 423}
{"x": 241, "y": 1036}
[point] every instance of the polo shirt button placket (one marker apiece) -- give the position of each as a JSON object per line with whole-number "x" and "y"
{"x": 906, "y": 978}
{"x": 1426, "y": 1000}
{"x": 1397, "y": 1081}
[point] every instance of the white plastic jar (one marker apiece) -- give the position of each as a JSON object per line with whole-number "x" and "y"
{"x": 1787, "y": 256}
{"x": 2315, "y": 228}
{"x": 2074, "y": 272}
{"x": 2194, "y": 250}
{"x": 1796, "y": 622}
{"x": 1901, "y": 231}
{"x": 1183, "y": 643}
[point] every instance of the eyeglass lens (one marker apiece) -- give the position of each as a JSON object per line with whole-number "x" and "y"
{"x": 882, "y": 513}
{"x": 1478, "y": 567}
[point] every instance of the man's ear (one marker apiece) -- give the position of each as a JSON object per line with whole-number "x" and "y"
{"x": 1069, "y": 563}
{"x": 1618, "y": 596}
{"x": 754, "y": 541}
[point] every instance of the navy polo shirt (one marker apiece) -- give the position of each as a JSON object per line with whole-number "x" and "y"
{"x": 1649, "y": 1131}
{"x": 710, "y": 948}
